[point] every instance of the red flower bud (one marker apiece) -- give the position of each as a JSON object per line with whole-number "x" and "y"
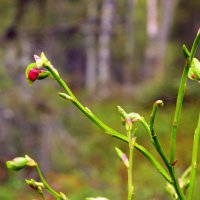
{"x": 33, "y": 74}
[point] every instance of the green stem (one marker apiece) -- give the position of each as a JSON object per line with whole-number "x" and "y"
{"x": 160, "y": 150}
{"x": 177, "y": 114}
{"x": 106, "y": 128}
{"x": 153, "y": 115}
{"x": 47, "y": 186}
{"x": 181, "y": 94}
{"x": 194, "y": 160}
{"x": 43, "y": 196}
{"x": 130, "y": 168}
{"x": 155, "y": 141}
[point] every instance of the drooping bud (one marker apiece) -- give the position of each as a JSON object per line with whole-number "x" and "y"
{"x": 20, "y": 163}
{"x": 43, "y": 74}
{"x": 194, "y": 71}
{"x": 17, "y": 163}
{"x": 128, "y": 118}
{"x": 33, "y": 74}
{"x": 65, "y": 96}
{"x": 38, "y": 186}
{"x": 122, "y": 156}
{"x": 134, "y": 116}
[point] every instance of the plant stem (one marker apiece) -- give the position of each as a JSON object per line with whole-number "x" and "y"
{"x": 106, "y": 128}
{"x": 130, "y": 168}
{"x": 43, "y": 196}
{"x": 194, "y": 160}
{"x": 177, "y": 114}
{"x": 181, "y": 94}
{"x": 49, "y": 188}
{"x": 155, "y": 141}
{"x": 160, "y": 150}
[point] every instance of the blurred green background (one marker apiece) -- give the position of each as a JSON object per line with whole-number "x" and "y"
{"x": 110, "y": 52}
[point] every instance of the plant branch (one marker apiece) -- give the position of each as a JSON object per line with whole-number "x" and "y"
{"x": 194, "y": 160}
{"x": 181, "y": 94}
{"x": 106, "y": 128}
{"x": 47, "y": 186}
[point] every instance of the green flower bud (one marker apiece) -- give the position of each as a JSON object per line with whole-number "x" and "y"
{"x": 122, "y": 156}
{"x": 38, "y": 186}
{"x": 17, "y": 163}
{"x": 194, "y": 71}
{"x": 43, "y": 74}
{"x": 31, "y": 73}
{"x": 134, "y": 116}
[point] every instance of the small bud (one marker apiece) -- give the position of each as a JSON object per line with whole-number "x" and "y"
{"x": 17, "y": 163}
{"x": 33, "y": 74}
{"x": 122, "y": 111}
{"x": 38, "y": 186}
{"x": 20, "y": 162}
{"x": 43, "y": 74}
{"x": 134, "y": 116}
{"x": 159, "y": 102}
{"x": 194, "y": 71}
{"x": 65, "y": 96}
{"x": 122, "y": 156}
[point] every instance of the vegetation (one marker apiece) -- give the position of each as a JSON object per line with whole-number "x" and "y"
{"x": 71, "y": 34}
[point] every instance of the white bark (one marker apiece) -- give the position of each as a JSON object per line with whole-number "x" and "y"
{"x": 104, "y": 44}
{"x": 158, "y": 35}
{"x": 90, "y": 43}
{"x": 152, "y": 20}
{"x": 129, "y": 45}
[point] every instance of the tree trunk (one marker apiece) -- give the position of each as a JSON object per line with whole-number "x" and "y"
{"x": 90, "y": 46}
{"x": 151, "y": 54}
{"x": 157, "y": 40}
{"x": 104, "y": 57}
{"x": 129, "y": 45}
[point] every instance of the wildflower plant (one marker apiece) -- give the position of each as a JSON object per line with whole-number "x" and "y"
{"x": 180, "y": 188}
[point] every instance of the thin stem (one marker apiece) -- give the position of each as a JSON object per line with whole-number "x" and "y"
{"x": 108, "y": 129}
{"x": 181, "y": 94}
{"x": 153, "y": 115}
{"x": 43, "y": 196}
{"x": 130, "y": 168}
{"x": 47, "y": 186}
{"x": 155, "y": 163}
{"x": 194, "y": 160}
{"x": 160, "y": 150}
{"x": 177, "y": 114}
{"x": 155, "y": 141}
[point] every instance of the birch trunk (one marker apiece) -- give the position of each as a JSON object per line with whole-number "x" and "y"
{"x": 158, "y": 36}
{"x": 104, "y": 58}
{"x": 151, "y": 54}
{"x": 129, "y": 45}
{"x": 90, "y": 45}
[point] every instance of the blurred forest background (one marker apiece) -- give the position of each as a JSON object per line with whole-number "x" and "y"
{"x": 110, "y": 52}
